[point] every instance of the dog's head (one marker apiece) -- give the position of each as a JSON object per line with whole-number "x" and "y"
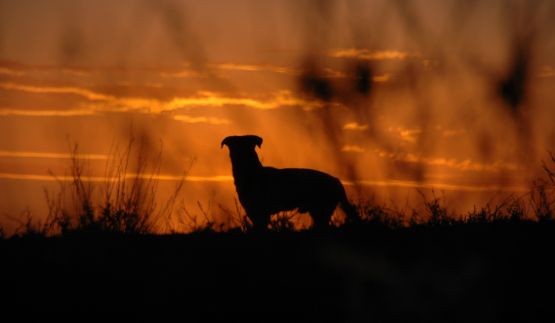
{"x": 242, "y": 143}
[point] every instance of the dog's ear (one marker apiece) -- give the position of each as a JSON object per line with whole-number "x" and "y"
{"x": 256, "y": 140}
{"x": 226, "y": 141}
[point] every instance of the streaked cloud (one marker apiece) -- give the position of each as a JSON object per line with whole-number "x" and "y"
{"x": 91, "y": 95}
{"x": 326, "y": 71}
{"x": 207, "y": 120}
{"x": 366, "y": 54}
{"x": 13, "y": 68}
{"x": 188, "y": 72}
{"x": 203, "y": 99}
{"x": 258, "y": 68}
{"x": 218, "y": 178}
{"x": 184, "y": 72}
{"x": 352, "y": 149}
{"x": 355, "y": 126}
{"x": 103, "y": 179}
{"x": 50, "y": 155}
{"x": 10, "y": 72}
{"x": 109, "y": 103}
{"x": 223, "y": 179}
{"x": 406, "y": 135}
{"x": 464, "y": 165}
{"x": 443, "y": 186}
{"x": 382, "y": 78}
{"x": 46, "y": 113}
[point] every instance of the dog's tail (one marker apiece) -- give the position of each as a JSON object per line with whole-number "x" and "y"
{"x": 350, "y": 210}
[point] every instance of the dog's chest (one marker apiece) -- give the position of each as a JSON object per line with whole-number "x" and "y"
{"x": 250, "y": 186}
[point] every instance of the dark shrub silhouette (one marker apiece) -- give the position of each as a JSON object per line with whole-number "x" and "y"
{"x": 264, "y": 191}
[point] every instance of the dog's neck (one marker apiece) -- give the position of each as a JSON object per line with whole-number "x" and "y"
{"x": 244, "y": 163}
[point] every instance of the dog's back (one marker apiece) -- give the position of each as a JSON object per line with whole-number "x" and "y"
{"x": 291, "y": 188}
{"x": 305, "y": 190}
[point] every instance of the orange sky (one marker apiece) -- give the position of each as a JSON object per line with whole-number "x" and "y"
{"x": 391, "y": 96}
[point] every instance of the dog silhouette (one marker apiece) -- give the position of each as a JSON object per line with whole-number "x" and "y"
{"x": 264, "y": 191}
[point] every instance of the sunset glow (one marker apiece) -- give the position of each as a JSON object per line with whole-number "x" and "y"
{"x": 390, "y": 97}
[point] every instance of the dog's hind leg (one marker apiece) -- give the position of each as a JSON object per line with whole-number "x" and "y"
{"x": 321, "y": 215}
{"x": 260, "y": 220}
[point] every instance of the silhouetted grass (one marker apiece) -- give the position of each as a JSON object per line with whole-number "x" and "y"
{"x": 283, "y": 222}
{"x": 454, "y": 272}
{"x": 124, "y": 202}
{"x": 30, "y": 227}
{"x": 127, "y": 204}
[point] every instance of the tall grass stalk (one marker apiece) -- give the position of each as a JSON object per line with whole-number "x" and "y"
{"x": 124, "y": 201}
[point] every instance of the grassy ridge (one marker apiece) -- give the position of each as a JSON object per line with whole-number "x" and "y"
{"x": 459, "y": 272}
{"x": 127, "y": 202}
{"x": 99, "y": 253}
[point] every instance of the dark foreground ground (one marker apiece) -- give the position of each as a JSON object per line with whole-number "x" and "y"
{"x": 465, "y": 273}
